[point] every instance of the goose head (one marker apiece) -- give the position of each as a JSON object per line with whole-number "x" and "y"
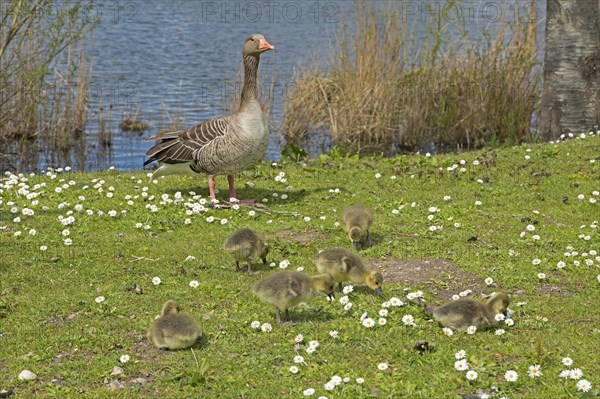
{"x": 374, "y": 280}
{"x": 256, "y": 44}
{"x": 499, "y": 302}
{"x": 170, "y": 307}
{"x": 354, "y": 234}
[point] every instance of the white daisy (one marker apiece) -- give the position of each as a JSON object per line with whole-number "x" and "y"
{"x": 534, "y": 371}
{"x": 471, "y": 375}
{"x": 461, "y": 365}
{"x": 584, "y": 386}
{"x": 511, "y": 376}
{"x": 382, "y": 366}
{"x": 447, "y": 331}
{"x": 368, "y": 322}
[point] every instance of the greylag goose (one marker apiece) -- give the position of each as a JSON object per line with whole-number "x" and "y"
{"x": 223, "y": 145}
{"x": 358, "y": 219}
{"x": 288, "y": 288}
{"x": 465, "y": 312}
{"x": 345, "y": 265}
{"x": 246, "y": 245}
{"x": 173, "y": 330}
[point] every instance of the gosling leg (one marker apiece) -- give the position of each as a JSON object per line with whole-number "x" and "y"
{"x": 369, "y": 240}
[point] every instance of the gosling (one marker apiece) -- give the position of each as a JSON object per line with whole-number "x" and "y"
{"x": 345, "y": 265}
{"x": 462, "y": 313}
{"x": 173, "y": 330}
{"x": 357, "y": 220}
{"x": 285, "y": 289}
{"x": 246, "y": 245}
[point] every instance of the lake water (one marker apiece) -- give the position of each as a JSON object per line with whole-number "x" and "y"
{"x": 182, "y": 58}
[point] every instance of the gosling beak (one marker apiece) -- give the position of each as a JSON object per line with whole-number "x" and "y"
{"x": 380, "y": 292}
{"x": 265, "y": 46}
{"x": 331, "y": 296}
{"x": 356, "y": 244}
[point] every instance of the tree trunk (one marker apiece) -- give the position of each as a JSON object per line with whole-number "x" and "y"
{"x": 571, "y": 90}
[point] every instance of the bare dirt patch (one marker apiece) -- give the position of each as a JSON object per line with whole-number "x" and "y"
{"x": 441, "y": 277}
{"x": 553, "y": 290}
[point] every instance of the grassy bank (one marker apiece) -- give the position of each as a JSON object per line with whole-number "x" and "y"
{"x": 52, "y": 324}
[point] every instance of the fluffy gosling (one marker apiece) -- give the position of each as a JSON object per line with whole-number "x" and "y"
{"x": 345, "y": 265}
{"x": 462, "y": 313}
{"x": 246, "y": 245}
{"x": 285, "y": 289}
{"x": 173, "y": 330}
{"x": 357, "y": 220}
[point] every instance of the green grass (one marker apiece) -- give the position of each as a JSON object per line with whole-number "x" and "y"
{"x": 50, "y": 323}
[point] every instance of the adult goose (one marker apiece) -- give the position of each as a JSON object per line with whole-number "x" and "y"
{"x": 224, "y": 145}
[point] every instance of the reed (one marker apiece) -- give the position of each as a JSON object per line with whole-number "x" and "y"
{"x": 382, "y": 95}
{"x": 45, "y": 79}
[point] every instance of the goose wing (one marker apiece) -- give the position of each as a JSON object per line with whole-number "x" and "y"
{"x": 185, "y": 145}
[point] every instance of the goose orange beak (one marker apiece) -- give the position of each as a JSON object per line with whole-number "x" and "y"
{"x": 265, "y": 46}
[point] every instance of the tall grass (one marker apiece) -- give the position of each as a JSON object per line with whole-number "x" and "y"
{"x": 380, "y": 94}
{"x": 45, "y": 78}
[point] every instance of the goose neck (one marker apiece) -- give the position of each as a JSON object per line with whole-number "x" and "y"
{"x": 249, "y": 90}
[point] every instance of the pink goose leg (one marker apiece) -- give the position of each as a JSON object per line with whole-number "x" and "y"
{"x": 231, "y": 188}
{"x": 211, "y": 189}
{"x": 232, "y": 191}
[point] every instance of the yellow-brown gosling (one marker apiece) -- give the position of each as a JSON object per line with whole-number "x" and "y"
{"x": 465, "y": 312}
{"x": 173, "y": 330}
{"x": 246, "y": 245}
{"x": 344, "y": 265}
{"x": 285, "y": 289}
{"x": 357, "y": 221}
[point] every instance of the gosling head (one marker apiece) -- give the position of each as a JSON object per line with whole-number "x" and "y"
{"x": 375, "y": 280}
{"x": 499, "y": 302}
{"x": 354, "y": 234}
{"x": 170, "y": 307}
{"x": 256, "y": 44}
{"x": 324, "y": 283}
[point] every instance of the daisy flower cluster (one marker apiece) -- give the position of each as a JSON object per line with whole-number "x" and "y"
{"x": 574, "y": 374}
{"x": 570, "y": 136}
{"x": 437, "y": 225}
{"x": 461, "y": 364}
{"x": 264, "y": 327}
{"x": 382, "y": 314}
{"x": 298, "y": 359}
{"x": 345, "y": 300}
{"x": 334, "y": 382}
